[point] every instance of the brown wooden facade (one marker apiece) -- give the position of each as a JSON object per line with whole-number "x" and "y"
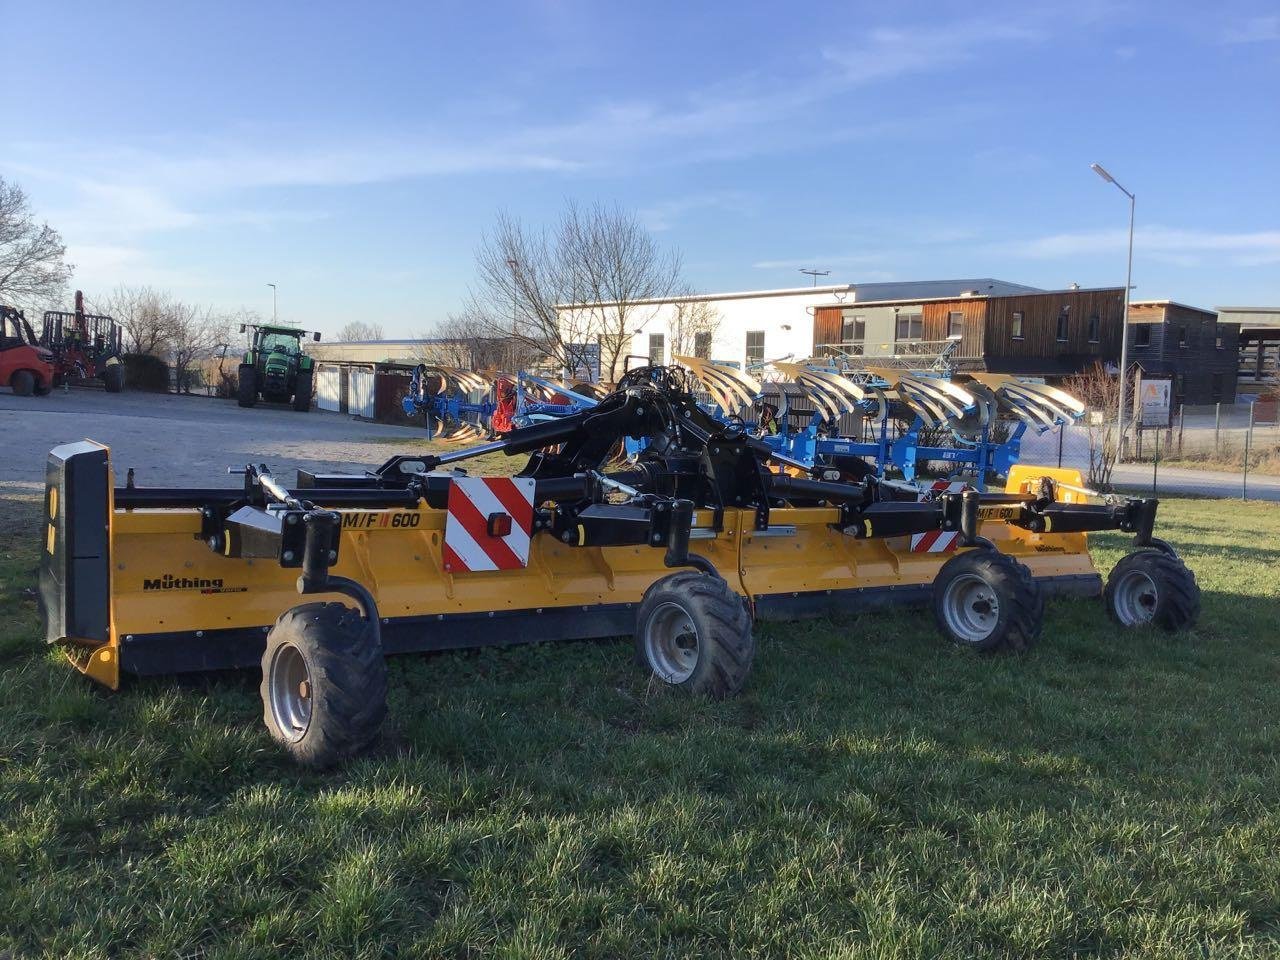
{"x": 1190, "y": 346}
{"x": 1089, "y": 330}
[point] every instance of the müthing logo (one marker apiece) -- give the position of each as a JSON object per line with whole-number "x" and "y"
{"x": 204, "y": 585}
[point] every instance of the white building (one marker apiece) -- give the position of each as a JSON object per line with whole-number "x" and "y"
{"x": 754, "y": 326}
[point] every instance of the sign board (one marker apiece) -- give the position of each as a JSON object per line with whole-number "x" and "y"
{"x": 1155, "y": 399}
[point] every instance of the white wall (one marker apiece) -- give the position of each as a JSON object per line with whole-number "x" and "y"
{"x": 786, "y": 319}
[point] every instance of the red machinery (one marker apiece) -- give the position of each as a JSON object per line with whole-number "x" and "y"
{"x": 25, "y": 366}
{"x": 84, "y": 346}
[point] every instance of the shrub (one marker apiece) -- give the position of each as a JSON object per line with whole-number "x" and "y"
{"x": 145, "y": 372}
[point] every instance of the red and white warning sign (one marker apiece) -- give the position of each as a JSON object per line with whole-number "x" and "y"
{"x": 489, "y": 524}
{"x": 937, "y": 541}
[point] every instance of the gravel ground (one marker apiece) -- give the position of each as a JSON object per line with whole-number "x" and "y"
{"x": 173, "y": 440}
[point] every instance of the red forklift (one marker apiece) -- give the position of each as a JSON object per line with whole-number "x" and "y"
{"x": 85, "y": 346}
{"x": 25, "y": 366}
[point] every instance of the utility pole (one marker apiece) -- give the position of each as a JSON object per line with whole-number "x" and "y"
{"x": 274, "y": 314}
{"x": 816, "y": 274}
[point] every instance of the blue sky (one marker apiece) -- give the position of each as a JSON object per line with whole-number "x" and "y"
{"x": 354, "y": 153}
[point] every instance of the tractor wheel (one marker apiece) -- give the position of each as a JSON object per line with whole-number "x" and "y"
{"x": 113, "y": 378}
{"x": 43, "y": 389}
{"x": 986, "y": 600}
{"x": 694, "y": 633}
{"x": 23, "y": 383}
{"x": 1150, "y": 586}
{"x": 246, "y": 385}
{"x": 302, "y": 393}
{"x": 324, "y": 684}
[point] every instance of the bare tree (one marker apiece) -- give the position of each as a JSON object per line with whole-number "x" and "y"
{"x": 694, "y": 323}
{"x": 197, "y": 334}
{"x": 355, "y": 330}
{"x": 619, "y": 271}
{"x": 33, "y": 268}
{"x": 1100, "y": 392}
{"x": 569, "y": 293}
{"x": 454, "y": 343}
{"x": 146, "y": 316}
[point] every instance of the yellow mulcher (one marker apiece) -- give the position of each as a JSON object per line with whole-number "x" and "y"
{"x": 683, "y": 549}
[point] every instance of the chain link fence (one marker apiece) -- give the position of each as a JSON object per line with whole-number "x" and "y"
{"x": 1217, "y": 450}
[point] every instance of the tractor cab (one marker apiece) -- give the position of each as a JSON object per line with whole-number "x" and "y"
{"x": 275, "y": 369}
{"x": 15, "y": 331}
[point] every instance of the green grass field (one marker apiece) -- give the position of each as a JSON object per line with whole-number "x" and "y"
{"x": 874, "y": 793}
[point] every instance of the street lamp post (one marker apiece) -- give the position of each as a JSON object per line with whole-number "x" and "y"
{"x": 1124, "y": 328}
{"x": 273, "y": 302}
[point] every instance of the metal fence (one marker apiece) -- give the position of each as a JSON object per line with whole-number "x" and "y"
{"x": 1221, "y": 450}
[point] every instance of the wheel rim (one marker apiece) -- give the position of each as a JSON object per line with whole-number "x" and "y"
{"x": 971, "y": 608}
{"x": 290, "y": 689}
{"x": 1134, "y": 598}
{"x": 671, "y": 643}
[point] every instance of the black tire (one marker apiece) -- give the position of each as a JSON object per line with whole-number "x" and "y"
{"x": 246, "y": 385}
{"x": 694, "y": 633}
{"x": 302, "y": 393}
{"x": 330, "y": 648}
{"x": 113, "y": 378}
{"x": 43, "y": 389}
{"x": 23, "y": 383}
{"x": 1150, "y": 587}
{"x": 985, "y": 600}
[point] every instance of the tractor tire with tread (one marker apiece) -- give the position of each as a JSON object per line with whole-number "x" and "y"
{"x": 246, "y": 385}
{"x": 23, "y": 383}
{"x": 113, "y": 378}
{"x": 694, "y": 633}
{"x": 302, "y": 393}
{"x": 1151, "y": 587}
{"x": 324, "y": 684}
{"x": 986, "y": 600}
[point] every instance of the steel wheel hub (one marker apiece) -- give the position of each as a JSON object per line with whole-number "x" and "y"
{"x": 671, "y": 643}
{"x": 971, "y": 608}
{"x": 1135, "y": 598}
{"x": 290, "y": 688}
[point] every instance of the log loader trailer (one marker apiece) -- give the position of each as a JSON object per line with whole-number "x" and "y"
{"x": 708, "y": 531}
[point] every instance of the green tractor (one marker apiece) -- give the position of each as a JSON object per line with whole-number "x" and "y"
{"x": 275, "y": 368}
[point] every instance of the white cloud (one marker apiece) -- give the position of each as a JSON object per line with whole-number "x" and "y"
{"x": 1172, "y": 245}
{"x": 1253, "y": 30}
{"x": 820, "y": 262}
{"x": 892, "y": 52}
{"x": 659, "y": 217}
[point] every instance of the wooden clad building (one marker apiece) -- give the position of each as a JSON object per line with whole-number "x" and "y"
{"x": 1047, "y": 334}
{"x": 1190, "y": 345}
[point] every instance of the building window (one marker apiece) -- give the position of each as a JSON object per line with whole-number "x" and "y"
{"x": 657, "y": 348}
{"x": 955, "y": 323}
{"x": 1064, "y": 324}
{"x": 853, "y": 330}
{"x": 1095, "y": 327}
{"x": 1016, "y": 325}
{"x": 910, "y": 326}
{"x": 702, "y": 344}
{"x": 1142, "y": 335}
{"x": 1218, "y": 342}
{"x": 1182, "y": 336}
{"x": 755, "y": 346}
